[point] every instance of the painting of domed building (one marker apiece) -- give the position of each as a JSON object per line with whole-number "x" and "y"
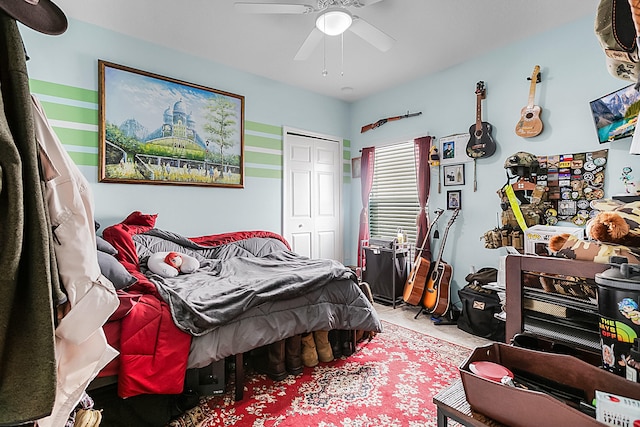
{"x": 159, "y": 130}
{"x": 177, "y": 127}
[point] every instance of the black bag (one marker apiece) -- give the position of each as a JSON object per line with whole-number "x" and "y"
{"x": 483, "y": 276}
{"x": 478, "y": 308}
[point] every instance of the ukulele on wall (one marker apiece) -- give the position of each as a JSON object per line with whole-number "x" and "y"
{"x": 436, "y": 297}
{"x": 414, "y": 287}
{"x": 480, "y": 143}
{"x": 530, "y": 124}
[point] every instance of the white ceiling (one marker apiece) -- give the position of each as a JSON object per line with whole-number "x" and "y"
{"x": 431, "y": 35}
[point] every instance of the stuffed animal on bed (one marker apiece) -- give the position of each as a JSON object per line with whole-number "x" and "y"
{"x": 170, "y": 264}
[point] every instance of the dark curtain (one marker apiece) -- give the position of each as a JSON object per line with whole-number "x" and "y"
{"x": 366, "y": 181}
{"x": 423, "y": 181}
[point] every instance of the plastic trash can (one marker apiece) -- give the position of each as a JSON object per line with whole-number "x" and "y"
{"x": 619, "y": 311}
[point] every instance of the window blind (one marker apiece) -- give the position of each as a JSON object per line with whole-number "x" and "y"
{"x": 393, "y": 202}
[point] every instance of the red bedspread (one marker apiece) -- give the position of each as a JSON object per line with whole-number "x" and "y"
{"x": 153, "y": 351}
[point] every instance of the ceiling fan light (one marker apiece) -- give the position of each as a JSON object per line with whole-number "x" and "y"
{"x": 334, "y": 21}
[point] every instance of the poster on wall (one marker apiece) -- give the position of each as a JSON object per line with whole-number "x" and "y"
{"x": 453, "y": 149}
{"x": 573, "y": 181}
{"x": 615, "y": 114}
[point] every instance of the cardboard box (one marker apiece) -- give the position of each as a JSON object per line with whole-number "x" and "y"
{"x": 517, "y": 407}
{"x": 536, "y": 238}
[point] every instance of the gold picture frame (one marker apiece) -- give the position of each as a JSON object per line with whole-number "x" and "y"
{"x": 159, "y": 130}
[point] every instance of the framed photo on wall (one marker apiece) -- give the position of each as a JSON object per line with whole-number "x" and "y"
{"x": 453, "y": 174}
{"x": 355, "y": 167}
{"x": 159, "y": 130}
{"x": 453, "y": 149}
{"x": 454, "y": 199}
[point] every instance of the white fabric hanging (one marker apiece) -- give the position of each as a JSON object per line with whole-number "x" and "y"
{"x": 81, "y": 346}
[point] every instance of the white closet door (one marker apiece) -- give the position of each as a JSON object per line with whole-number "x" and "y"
{"x": 312, "y": 194}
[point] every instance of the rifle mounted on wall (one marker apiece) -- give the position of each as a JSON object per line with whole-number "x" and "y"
{"x": 388, "y": 119}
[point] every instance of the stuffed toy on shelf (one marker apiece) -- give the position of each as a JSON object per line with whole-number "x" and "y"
{"x": 615, "y": 230}
{"x": 616, "y": 222}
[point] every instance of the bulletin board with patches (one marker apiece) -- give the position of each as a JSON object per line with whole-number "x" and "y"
{"x": 572, "y": 182}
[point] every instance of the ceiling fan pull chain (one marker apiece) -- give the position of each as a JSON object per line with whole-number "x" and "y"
{"x": 324, "y": 56}
{"x": 342, "y": 54}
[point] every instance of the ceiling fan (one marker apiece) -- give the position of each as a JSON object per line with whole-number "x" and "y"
{"x": 333, "y": 18}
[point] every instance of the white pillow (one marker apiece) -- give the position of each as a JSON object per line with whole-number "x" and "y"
{"x": 157, "y": 265}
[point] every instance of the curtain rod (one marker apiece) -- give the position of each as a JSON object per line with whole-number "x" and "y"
{"x": 397, "y": 143}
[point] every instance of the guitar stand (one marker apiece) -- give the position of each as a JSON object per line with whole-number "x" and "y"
{"x": 449, "y": 318}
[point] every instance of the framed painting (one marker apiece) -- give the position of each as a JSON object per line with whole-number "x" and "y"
{"x": 159, "y": 130}
{"x": 454, "y": 199}
{"x": 453, "y": 174}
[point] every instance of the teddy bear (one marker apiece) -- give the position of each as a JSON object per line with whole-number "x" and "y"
{"x": 170, "y": 264}
{"x": 614, "y": 231}
{"x": 616, "y": 222}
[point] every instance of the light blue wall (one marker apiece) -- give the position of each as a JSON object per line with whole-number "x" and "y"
{"x": 573, "y": 73}
{"x": 72, "y": 59}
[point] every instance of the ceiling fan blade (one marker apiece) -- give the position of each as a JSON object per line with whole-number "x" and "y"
{"x": 280, "y": 8}
{"x": 309, "y": 45}
{"x": 363, "y": 3}
{"x": 371, "y": 34}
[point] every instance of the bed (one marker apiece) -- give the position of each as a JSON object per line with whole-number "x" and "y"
{"x": 249, "y": 291}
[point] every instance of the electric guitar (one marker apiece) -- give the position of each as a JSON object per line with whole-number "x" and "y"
{"x": 480, "y": 143}
{"x": 530, "y": 124}
{"x": 414, "y": 287}
{"x": 436, "y": 296}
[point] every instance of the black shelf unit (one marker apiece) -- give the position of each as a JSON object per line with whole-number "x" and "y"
{"x": 386, "y": 270}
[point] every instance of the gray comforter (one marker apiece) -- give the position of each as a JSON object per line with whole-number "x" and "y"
{"x": 223, "y": 289}
{"x": 254, "y": 292}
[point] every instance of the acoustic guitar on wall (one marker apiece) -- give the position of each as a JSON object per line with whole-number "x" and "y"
{"x": 481, "y": 142}
{"x": 530, "y": 124}
{"x": 414, "y": 287}
{"x": 436, "y": 297}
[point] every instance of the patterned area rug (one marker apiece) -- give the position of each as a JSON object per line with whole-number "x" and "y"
{"x": 389, "y": 381}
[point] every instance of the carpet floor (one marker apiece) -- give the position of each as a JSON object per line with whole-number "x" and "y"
{"x": 389, "y": 381}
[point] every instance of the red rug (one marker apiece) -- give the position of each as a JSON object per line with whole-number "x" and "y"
{"x": 390, "y": 381}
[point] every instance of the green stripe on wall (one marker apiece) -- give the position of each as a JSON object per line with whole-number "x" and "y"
{"x": 83, "y": 159}
{"x": 346, "y": 155}
{"x": 346, "y": 143}
{"x": 346, "y": 179}
{"x": 263, "y": 158}
{"x": 261, "y": 127}
{"x": 83, "y": 138}
{"x": 63, "y": 91}
{"x": 70, "y": 113}
{"x": 263, "y": 142}
{"x": 70, "y": 138}
{"x": 263, "y": 173}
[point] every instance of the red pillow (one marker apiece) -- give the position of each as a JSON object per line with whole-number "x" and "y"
{"x": 138, "y": 218}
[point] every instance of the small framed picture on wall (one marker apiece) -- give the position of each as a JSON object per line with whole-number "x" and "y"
{"x": 453, "y": 174}
{"x": 454, "y": 199}
{"x": 355, "y": 167}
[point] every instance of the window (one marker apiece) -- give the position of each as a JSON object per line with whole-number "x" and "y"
{"x": 393, "y": 202}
